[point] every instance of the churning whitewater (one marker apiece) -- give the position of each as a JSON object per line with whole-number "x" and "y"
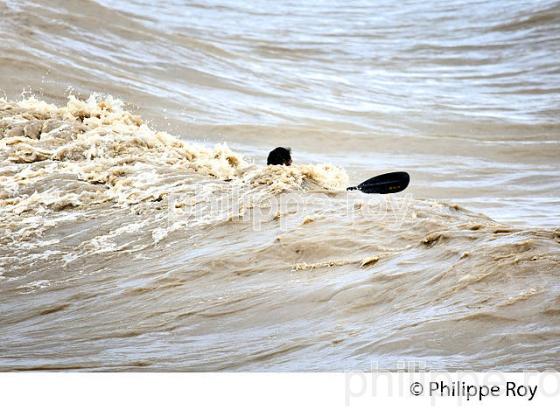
{"x": 125, "y": 248}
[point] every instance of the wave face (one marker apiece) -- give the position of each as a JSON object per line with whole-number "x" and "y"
{"x": 127, "y": 248}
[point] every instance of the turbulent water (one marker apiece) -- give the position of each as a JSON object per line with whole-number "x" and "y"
{"x": 141, "y": 230}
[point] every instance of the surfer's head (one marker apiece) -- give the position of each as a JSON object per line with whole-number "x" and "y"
{"x": 280, "y": 156}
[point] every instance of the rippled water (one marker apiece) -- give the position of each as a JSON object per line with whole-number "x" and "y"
{"x": 465, "y": 96}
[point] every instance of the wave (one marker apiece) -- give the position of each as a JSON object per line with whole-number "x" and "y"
{"x": 106, "y": 221}
{"x": 123, "y": 247}
{"x": 102, "y": 144}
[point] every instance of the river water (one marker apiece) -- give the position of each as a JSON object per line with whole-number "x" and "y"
{"x": 141, "y": 230}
